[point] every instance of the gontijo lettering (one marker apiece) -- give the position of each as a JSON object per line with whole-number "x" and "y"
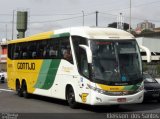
{"x": 25, "y": 66}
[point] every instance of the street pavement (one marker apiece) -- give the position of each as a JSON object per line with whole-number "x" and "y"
{"x": 39, "y": 105}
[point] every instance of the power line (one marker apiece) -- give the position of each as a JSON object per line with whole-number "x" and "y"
{"x": 145, "y": 19}
{"x": 41, "y": 15}
{"x": 59, "y": 14}
{"x": 5, "y": 22}
{"x": 140, "y": 5}
{"x": 6, "y": 15}
{"x": 61, "y": 19}
{"x": 132, "y": 17}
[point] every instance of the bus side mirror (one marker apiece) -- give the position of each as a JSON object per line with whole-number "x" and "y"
{"x": 88, "y": 52}
{"x": 148, "y": 53}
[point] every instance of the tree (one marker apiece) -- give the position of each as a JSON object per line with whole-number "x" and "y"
{"x": 114, "y": 25}
{"x": 147, "y": 31}
{"x": 158, "y": 69}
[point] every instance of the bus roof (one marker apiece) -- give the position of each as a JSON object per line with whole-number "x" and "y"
{"x": 88, "y": 32}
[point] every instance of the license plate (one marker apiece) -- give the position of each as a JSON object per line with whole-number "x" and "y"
{"x": 155, "y": 95}
{"x": 121, "y": 100}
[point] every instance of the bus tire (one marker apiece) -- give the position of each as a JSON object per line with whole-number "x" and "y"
{"x": 71, "y": 98}
{"x": 24, "y": 90}
{"x": 2, "y": 80}
{"x": 18, "y": 89}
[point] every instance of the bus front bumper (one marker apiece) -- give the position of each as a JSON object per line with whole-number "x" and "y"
{"x": 102, "y": 99}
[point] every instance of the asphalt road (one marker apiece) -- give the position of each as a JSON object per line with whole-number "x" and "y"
{"x": 11, "y": 103}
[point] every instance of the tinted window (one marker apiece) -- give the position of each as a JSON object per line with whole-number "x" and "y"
{"x": 42, "y": 49}
{"x": 80, "y": 54}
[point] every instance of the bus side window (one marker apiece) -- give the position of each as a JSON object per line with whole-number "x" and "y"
{"x": 68, "y": 55}
{"x": 15, "y": 56}
{"x": 24, "y": 55}
{"x": 34, "y": 54}
{"x": 84, "y": 63}
{"x": 80, "y": 55}
{"x": 39, "y": 49}
{"x": 17, "y": 52}
{"x": 11, "y": 53}
{"x": 31, "y": 50}
{"x": 52, "y": 53}
{"x": 46, "y": 53}
{"x": 66, "y": 50}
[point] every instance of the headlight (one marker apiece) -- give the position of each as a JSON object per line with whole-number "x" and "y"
{"x": 104, "y": 92}
{"x": 141, "y": 87}
{"x": 96, "y": 89}
{"x": 117, "y": 93}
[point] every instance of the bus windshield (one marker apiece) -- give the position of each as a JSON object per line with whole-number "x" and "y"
{"x": 116, "y": 62}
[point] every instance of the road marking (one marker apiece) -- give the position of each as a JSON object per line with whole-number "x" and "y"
{"x": 7, "y": 90}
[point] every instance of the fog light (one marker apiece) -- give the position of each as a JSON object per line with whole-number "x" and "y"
{"x": 98, "y": 99}
{"x": 140, "y": 97}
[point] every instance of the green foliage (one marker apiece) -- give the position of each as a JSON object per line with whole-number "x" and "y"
{"x": 147, "y": 31}
{"x": 145, "y": 67}
{"x": 114, "y": 25}
{"x": 158, "y": 69}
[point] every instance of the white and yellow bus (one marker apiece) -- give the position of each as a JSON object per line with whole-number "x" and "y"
{"x": 103, "y": 66}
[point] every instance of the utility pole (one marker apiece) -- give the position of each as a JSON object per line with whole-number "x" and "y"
{"x": 97, "y": 18}
{"x": 130, "y": 22}
{"x": 83, "y": 17}
{"x": 6, "y": 31}
{"x": 13, "y": 25}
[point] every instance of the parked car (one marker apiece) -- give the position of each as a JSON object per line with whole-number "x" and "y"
{"x": 151, "y": 88}
{"x": 3, "y": 77}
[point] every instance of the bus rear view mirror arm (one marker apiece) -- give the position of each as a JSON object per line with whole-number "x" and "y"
{"x": 88, "y": 52}
{"x": 148, "y": 53}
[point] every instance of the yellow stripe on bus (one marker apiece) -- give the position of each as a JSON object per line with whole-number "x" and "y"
{"x": 111, "y": 88}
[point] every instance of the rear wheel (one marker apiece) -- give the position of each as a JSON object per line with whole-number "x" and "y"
{"x": 71, "y": 98}
{"x": 24, "y": 90}
{"x": 18, "y": 89}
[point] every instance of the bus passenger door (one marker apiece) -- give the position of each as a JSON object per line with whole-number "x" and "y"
{"x": 84, "y": 92}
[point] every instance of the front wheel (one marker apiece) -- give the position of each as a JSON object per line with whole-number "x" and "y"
{"x": 71, "y": 98}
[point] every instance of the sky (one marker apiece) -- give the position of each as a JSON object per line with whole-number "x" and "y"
{"x": 46, "y": 15}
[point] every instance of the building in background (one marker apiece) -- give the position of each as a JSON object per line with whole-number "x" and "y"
{"x": 146, "y": 25}
{"x": 3, "y": 55}
{"x": 157, "y": 29}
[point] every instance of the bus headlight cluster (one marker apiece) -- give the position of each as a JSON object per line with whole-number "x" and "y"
{"x": 112, "y": 93}
{"x": 141, "y": 87}
{"x": 96, "y": 89}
